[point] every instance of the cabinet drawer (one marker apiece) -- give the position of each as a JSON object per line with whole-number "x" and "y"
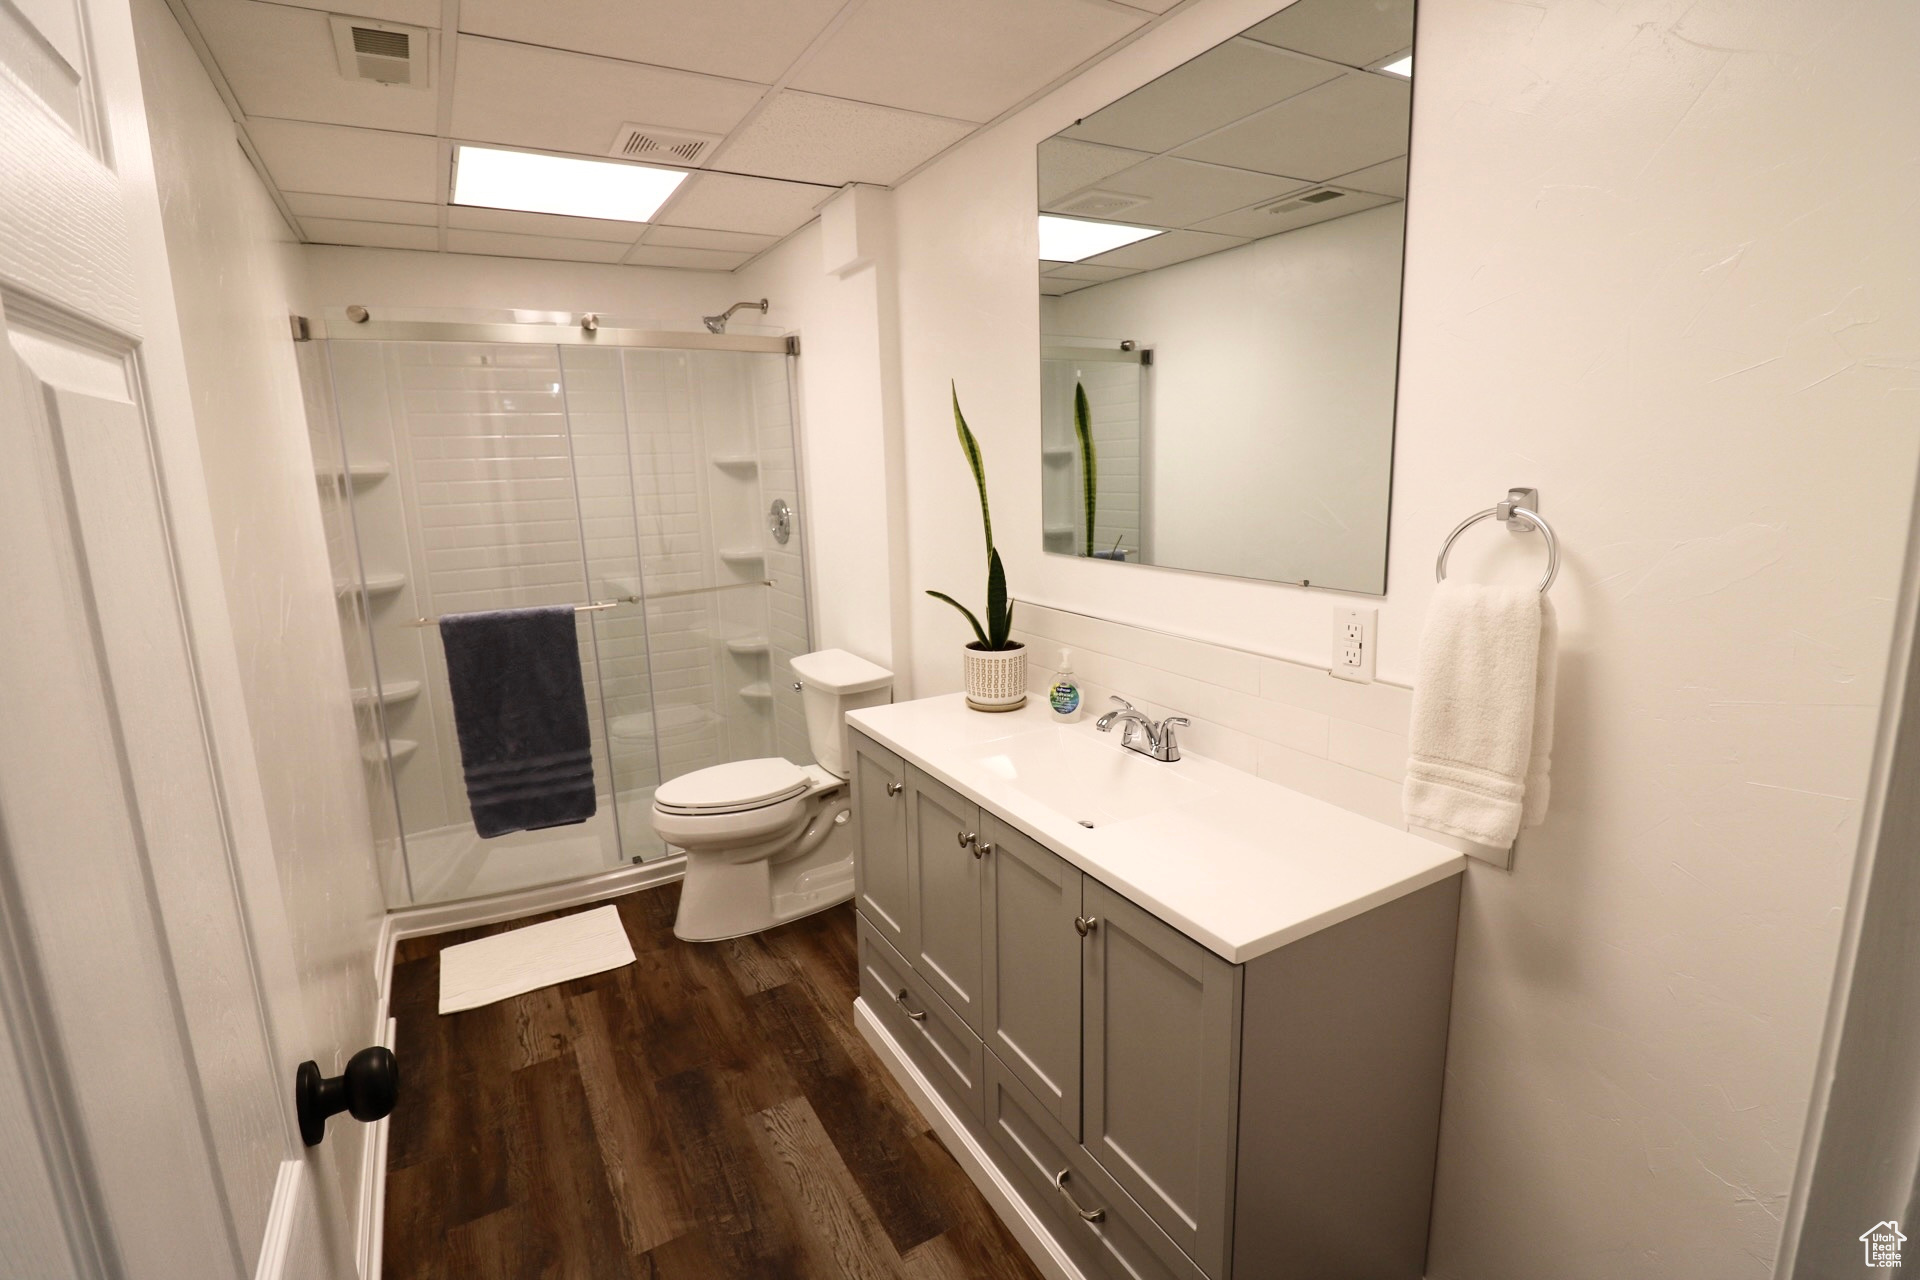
{"x": 931, "y": 1033}
{"x": 1032, "y": 1146}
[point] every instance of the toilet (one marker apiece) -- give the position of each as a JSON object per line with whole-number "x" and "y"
{"x": 768, "y": 841}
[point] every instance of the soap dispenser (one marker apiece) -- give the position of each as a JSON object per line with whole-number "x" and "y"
{"x": 1064, "y": 695}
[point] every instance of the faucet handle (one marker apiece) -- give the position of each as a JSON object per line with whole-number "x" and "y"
{"x": 1166, "y": 747}
{"x": 1125, "y": 705}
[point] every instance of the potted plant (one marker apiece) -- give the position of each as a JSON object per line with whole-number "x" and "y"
{"x": 995, "y": 663}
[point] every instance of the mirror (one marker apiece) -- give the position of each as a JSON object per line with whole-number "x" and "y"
{"x": 1220, "y": 256}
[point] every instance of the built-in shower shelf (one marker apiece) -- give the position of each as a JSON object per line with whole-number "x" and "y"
{"x": 742, "y": 462}
{"x": 747, "y": 646}
{"x": 401, "y": 748}
{"x": 378, "y": 584}
{"x": 392, "y": 693}
{"x": 358, "y": 474}
{"x": 1058, "y": 531}
{"x": 743, "y": 555}
{"x": 758, "y": 691}
{"x": 1057, "y": 455}
{"x": 639, "y": 726}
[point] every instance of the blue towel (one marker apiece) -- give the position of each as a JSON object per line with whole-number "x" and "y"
{"x": 520, "y": 710}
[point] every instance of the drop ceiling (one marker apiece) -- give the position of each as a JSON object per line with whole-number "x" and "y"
{"x": 1242, "y": 142}
{"x": 796, "y": 97}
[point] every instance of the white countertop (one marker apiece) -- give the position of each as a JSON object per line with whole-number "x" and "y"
{"x": 1247, "y": 867}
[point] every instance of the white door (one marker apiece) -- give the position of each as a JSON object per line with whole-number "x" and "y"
{"x": 149, "y": 1017}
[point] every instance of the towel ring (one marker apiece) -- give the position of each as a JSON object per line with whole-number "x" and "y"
{"x": 1508, "y": 511}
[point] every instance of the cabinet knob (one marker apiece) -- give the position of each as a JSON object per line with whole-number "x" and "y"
{"x": 1086, "y": 1215}
{"x": 1084, "y": 925}
{"x": 895, "y": 788}
{"x": 966, "y": 837}
{"x": 982, "y": 850}
{"x": 900, "y": 998}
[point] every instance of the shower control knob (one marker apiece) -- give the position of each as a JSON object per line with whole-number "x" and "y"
{"x": 366, "y": 1090}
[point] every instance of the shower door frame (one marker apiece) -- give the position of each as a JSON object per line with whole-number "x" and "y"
{"x": 556, "y": 333}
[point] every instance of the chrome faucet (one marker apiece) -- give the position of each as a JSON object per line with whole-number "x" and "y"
{"x": 1154, "y": 741}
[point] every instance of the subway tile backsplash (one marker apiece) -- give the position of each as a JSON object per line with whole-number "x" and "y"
{"x": 1288, "y": 722}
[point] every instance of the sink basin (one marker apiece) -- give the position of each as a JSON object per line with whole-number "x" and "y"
{"x": 1090, "y": 780}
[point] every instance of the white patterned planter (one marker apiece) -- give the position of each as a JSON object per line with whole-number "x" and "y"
{"x": 996, "y": 678}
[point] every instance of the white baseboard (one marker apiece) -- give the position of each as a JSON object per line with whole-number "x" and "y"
{"x": 417, "y": 922}
{"x": 1020, "y": 1218}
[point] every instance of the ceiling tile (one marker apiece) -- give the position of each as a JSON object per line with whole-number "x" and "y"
{"x": 1220, "y": 86}
{"x": 309, "y": 204}
{"x": 1255, "y": 224}
{"x": 501, "y": 244}
{"x": 414, "y": 13}
{"x": 967, "y": 61}
{"x": 702, "y": 238}
{"x": 1389, "y": 178}
{"x": 1182, "y": 192}
{"x": 744, "y": 39}
{"x": 731, "y": 202}
{"x": 808, "y": 138}
{"x": 369, "y": 235}
{"x": 280, "y": 61}
{"x": 1343, "y": 125}
{"x": 1088, "y": 271}
{"x": 1066, "y": 165}
{"x": 559, "y": 101}
{"x": 1356, "y": 33}
{"x": 648, "y": 255}
{"x": 474, "y": 218}
{"x": 1166, "y": 249}
{"x": 349, "y": 162}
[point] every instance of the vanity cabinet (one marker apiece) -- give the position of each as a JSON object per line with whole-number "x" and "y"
{"x": 1169, "y": 1114}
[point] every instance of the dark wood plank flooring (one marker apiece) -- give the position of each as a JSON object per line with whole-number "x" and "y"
{"x": 707, "y": 1113}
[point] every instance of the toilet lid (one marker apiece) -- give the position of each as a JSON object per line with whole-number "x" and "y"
{"x": 730, "y": 788}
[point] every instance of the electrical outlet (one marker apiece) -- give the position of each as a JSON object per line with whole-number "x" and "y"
{"x": 1353, "y": 643}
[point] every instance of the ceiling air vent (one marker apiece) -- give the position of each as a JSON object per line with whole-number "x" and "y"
{"x": 1293, "y": 204}
{"x": 380, "y": 52}
{"x": 1099, "y": 204}
{"x": 662, "y": 146}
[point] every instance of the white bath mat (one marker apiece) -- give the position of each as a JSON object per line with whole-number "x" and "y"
{"x": 540, "y": 955}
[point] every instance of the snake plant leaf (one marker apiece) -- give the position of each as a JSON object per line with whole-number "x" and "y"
{"x": 971, "y": 447}
{"x": 967, "y": 613}
{"x": 1083, "y": 428}
{"x": 999, "y": 610}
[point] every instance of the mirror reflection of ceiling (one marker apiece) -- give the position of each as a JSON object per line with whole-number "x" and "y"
{"x": 1288, "y": 124}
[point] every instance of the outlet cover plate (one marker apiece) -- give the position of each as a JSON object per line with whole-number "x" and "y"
{"x": 1355, "y": 634}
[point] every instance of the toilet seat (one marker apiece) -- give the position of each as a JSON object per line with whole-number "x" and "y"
{"x": 739, "y": 787}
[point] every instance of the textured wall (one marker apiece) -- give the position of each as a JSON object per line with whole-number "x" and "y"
{"x": 234, "y": 269}
{"x": 1659, "y": 264}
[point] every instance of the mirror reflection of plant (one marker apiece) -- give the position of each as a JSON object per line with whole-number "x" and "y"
{"x": 995, "y": 635}
{"x": 1083, "y": 428}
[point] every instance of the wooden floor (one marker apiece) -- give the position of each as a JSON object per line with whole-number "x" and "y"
{"x": 709, "y": 1112}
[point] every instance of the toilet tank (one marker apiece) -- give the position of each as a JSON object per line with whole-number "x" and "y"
{"x": 832, "y": 683}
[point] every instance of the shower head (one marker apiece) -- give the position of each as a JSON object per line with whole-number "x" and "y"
{"x": 718, "y": 324}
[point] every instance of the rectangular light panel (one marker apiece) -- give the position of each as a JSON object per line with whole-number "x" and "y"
{"x": 1071, "y": 239}
{"x": 569, "y": 185}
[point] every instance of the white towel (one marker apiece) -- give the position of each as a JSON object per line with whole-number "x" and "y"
{"x": 1533, "y": 807}
{"x": 1477, "y": 712}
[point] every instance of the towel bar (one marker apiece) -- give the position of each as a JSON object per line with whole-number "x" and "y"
{"x": 1519, "y": 512}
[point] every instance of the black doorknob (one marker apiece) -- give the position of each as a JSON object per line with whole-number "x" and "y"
{"x": 366, "y": 1090}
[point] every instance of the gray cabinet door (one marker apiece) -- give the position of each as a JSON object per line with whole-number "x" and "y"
{"x": 1030, "y": 988}
{"x": 1161, "y": 1016}
{"x": 947, "y": 878}
{"x": 883, "y": 885}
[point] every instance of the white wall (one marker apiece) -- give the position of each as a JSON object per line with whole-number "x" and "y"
{"x": 1271, "y": 443}
{"x": 234, "y": 271}
{"x": 1660, "y": 265}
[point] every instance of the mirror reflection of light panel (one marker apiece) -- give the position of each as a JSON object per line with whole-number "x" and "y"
{"x": 568, "y": 185}
{"x": 1071, "y": 239}
{"x": 1401, "y": 66}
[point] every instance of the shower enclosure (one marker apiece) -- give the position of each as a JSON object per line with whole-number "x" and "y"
{"x": 649, "y": 479}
